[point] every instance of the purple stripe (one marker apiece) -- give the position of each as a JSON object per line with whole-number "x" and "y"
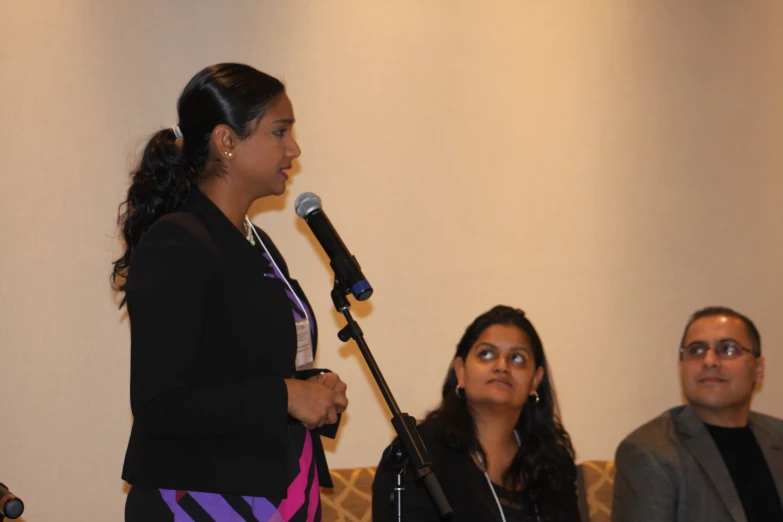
{"x": 274, "y": 272}
{"x": 219, "y": 509}
{"x": 264, "y": 510}
{"x": 298, "y": 312}
{"x": 181, "y": 516}
{"x": 170, "y": 497}
{"x": 294, "y": 304}
{"x": 216, "y": 506}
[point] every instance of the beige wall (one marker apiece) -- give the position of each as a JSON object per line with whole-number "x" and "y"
{"x": 607, "y": 166}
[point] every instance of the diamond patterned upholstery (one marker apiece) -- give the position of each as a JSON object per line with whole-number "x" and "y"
{"x": 595, "y": 480}
{"x": 350, "y": 499}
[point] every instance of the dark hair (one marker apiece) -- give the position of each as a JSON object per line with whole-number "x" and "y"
{"x": 228, "y": 93}
{"x": 711, "y": 311}
{"x": 544, "y": 462}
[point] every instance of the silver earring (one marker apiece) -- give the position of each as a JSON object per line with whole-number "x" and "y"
{"x": 460, "y": 391}
{"x": 534, "y": 401}
{"x": 227, "y": 153}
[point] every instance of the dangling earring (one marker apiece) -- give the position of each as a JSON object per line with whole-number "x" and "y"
{"x": 531, "y": 400}
{"x": 460, "y": 391}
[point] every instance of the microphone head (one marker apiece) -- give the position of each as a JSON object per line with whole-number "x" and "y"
{"x": 306, "y": 203}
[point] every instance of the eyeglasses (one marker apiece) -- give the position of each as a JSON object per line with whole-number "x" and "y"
{"x": 723, "y": 350}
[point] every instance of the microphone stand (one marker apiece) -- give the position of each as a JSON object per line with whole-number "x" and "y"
{"x": 409, "y": 447}
{"x": 10, "y": 505}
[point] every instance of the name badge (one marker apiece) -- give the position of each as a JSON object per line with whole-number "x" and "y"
{"x": 304, "y": 345}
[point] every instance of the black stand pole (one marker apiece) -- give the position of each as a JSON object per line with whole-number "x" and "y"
{"x": 399, "y": 489}
{"x": 412, "y": 447}
{"x": 395, "y": 460}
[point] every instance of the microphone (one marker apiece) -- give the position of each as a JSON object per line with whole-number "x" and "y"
{"x": 10, "y": 506}
{"x": 346, "y": 267}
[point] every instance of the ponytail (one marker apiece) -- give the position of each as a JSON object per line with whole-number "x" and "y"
{"x": 159, "y": 184}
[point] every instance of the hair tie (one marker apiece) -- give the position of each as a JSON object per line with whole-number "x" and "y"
{"x": 177, "y": 132}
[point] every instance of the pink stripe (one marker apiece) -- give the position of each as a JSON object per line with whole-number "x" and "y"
{"x": 295, "y": 498}
{"x": 315, "y": 498}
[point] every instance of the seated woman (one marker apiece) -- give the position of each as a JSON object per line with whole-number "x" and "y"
{"x": 496, "y": 442}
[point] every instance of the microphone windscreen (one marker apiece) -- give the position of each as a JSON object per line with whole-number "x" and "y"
{"x": 305, "y": 203}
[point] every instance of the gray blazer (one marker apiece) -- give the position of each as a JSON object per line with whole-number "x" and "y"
{"x": 671, "y": 470}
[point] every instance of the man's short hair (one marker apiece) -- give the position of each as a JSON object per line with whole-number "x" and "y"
{"x": 710, "y": 311}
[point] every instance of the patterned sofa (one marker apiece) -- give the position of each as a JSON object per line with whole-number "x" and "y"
{"x": 350, "y": 499}
{"x": 594, "y": 481}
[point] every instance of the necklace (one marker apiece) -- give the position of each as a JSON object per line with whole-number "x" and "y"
{"x": 492, "y": 488}
{"x": 248, "y": 232}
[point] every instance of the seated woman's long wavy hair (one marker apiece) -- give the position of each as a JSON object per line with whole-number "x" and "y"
{"x": 233, "y": 94}
{"x": 544, "y": 464}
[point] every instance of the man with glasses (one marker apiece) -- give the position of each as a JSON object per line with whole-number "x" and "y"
{"x": 712, "y": 460}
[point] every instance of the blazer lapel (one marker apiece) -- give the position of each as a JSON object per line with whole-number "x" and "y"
{"x": 699, "y": 442}
{"x": 771, "y": 444}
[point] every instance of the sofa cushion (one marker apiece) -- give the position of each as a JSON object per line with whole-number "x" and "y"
{"x": 595, "y": 480}
{"x": 350, "y": 498}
